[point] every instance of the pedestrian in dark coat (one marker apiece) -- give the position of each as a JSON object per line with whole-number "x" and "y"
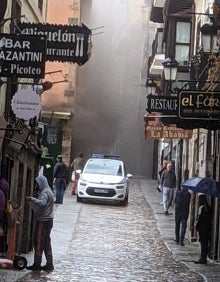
{"x": 204, "y": 227}
{"x": 182, "y": 202}
{"x": 60, "y": 177}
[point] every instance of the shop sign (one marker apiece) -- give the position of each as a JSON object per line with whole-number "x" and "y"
{"x": 65, "y": 43}
{"x": 162, "y": 104}
{"x": 199, "y": 105}
{"x": 26, "y": 104}
{"x": 22, "y": 56}
{"x": 169, "y": 132}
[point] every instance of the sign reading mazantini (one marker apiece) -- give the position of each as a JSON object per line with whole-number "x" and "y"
{"x": 22, "y": 55}
{"x": 65, "y": 43}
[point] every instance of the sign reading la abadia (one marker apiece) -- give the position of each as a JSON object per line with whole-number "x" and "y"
{"x": 65, "y": 43}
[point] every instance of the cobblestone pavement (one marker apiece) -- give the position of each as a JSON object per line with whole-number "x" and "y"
{"x": 109, "y": 243}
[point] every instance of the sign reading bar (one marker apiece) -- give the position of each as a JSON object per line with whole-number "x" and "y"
{"x": 22, "y": 55}
{"x": 169, "y": 132}
{"x": 65, "y": 43}
{"x": 199, "y": 105}
{"x": 162, "y": 104}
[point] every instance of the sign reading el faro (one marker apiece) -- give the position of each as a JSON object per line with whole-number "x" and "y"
{"x": 199, "y": 105}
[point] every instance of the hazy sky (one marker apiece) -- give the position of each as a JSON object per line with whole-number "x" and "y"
{"x": 111, "y": 99}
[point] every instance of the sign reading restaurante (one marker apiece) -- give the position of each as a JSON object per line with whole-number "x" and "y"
{"x": 162, "y": 104}
{"x": 65, "y": 43}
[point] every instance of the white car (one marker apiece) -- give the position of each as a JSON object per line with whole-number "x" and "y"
{"x": 104, "y": 178}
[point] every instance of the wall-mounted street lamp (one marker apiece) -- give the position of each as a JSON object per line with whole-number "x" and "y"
{"x": 170, "y": 71}
{"x": 210, "y": 35}
{"x": 151, "y": 86}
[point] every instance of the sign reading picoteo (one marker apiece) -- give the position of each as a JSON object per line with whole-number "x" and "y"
{"x": 22, "y": 55}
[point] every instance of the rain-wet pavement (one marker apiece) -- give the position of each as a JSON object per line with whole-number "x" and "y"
{"x": 107, "y": 243}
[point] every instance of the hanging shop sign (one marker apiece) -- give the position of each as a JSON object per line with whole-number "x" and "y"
{"x": 65, "y": 43}
{"x": 22, "y": 56}
{"x": 26, "y": 104}
{"x": 163, "y": 104}
{"x": 153, "y": 131}
{"x": 199, "y": 105}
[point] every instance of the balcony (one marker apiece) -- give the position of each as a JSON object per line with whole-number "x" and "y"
{"x": 156, "y": 67}
{"x": 156, "y": 15}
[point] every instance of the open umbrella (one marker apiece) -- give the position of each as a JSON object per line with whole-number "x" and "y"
{"x": 204, "y": 185}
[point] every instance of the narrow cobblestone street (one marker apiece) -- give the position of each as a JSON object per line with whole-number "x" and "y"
{"x": 111, "y": 243}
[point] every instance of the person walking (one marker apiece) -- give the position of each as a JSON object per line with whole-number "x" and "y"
{"x": 60, "y": 176}
{"x": 163, "y": 167}
{"x": 42, "y": 206}
{"x": 182, "y": 202}
{"x": 204, "y": 227}
{"x": 78, "y": 163}
{"x": 168, "y": 184}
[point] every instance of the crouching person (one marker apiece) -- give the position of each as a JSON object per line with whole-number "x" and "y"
{"x": 42, "y": 206}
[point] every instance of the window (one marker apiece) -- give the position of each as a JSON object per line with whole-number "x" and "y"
{"x": 182, "y": 46}
{"x": 159, "y": 41}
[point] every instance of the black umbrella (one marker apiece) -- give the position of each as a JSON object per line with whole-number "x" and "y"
{"x": 203, "y": 185}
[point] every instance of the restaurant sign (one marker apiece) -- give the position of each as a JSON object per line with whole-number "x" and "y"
{"x": 199, "y": 105}
{"x": 65, "y": 43}
{"x": 22, "y": 56}
{"x": 162, "y": 104}
{"x": 153, "y": 131}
